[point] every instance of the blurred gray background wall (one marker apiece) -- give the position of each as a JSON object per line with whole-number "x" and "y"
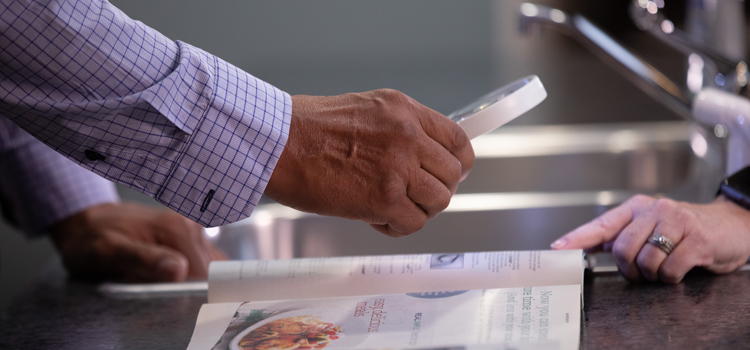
{"x": 443, "y": 53}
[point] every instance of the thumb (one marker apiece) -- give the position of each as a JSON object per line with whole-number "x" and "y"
{"x": 148, "y": 262}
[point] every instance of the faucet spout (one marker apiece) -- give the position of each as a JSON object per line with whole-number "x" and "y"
{"x": 636, "y": 69}
{"x": 728, "y": 73}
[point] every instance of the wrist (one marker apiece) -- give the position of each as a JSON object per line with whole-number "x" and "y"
{"x": 281, "y": 180}
{"x": 736, "y": 188}
{"x": 731, "y": 208}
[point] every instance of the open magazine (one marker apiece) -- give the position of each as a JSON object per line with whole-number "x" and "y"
{"x": 451, "y": 301}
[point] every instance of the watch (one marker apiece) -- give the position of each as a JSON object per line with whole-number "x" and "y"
{"x": 737, "y": 188}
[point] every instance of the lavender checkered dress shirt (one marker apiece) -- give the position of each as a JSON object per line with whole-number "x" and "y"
{"x": 118, "y": 98}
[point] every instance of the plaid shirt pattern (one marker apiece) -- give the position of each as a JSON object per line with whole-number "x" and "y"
{"x": 118, "y": 98}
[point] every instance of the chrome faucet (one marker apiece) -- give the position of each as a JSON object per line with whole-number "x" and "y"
{"x": 631, "y": 66}
{"x": 714, "y": 78}
{"x": 715, "y": 47}
{"x": 718, "y": 24}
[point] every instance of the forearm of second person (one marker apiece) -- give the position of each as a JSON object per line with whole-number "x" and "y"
{"x": 39, "y": 187}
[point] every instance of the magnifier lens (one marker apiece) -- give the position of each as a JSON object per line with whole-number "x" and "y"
{"x": 488, "y": 100}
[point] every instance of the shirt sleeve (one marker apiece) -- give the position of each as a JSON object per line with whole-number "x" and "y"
{"x": 118, "y": 98}
{"x": 39, "y": 187}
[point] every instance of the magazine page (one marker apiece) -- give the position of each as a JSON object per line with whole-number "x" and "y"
{"x": 545, "y": 317}
{"x": 257, "y": 280}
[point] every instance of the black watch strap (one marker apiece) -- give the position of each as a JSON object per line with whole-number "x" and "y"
{"x": 737, "y": 188}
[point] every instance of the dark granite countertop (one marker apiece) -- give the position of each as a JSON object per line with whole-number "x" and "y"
{"x": 704, "y": 311}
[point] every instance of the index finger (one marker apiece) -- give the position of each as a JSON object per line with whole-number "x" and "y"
{"x": 450, "y": 135}
{"x": 604, "y": 228}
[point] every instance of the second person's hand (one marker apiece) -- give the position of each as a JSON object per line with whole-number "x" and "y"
{"x": 133, "y": 243}
{"x": 715, "y": 236}
{"x": 377, "y": 156}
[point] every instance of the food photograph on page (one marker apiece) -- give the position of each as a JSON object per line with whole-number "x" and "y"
{"x": 301, "y": 327}
{"x": 298, "y": 332}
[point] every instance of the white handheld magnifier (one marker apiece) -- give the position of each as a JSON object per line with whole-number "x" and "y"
{"x": 497, "y": 108}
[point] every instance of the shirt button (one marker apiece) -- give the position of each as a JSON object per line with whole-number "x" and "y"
{"x": 91, "y": 155}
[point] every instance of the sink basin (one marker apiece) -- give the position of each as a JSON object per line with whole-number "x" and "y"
{"x": 529, "y": 185}
{"x": 640, "y": 157}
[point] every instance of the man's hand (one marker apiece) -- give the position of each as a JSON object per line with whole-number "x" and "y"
{"x": 715, "y": 236}
{"x": 133, "y": 243}
{"x": 376, "y": 156}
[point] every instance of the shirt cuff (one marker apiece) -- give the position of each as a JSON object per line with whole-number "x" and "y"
{"x": 229, "y": 158}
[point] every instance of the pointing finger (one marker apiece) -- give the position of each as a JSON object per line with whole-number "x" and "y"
{"x": 604, "y": 228}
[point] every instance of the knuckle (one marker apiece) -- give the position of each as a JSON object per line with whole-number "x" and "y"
{"x": 699, "y": 244}
{"x": 405, "y": 131}
{"x": 443, "y": 201}
{"x": 705, "y": 258}
{"x": 408, "y": 224}
{"x": 468, "y": 163}
{"x": 685, "y": 216}
{"x": 396, "y": 95}
{"x": 186, "y": 224}
{"x": 389, "y": 96}
{"x": 175, "y": 223}
{"x": 670, "y": 276}
{"x": 452, "y": 177}
{"x": 171, "y": 218}
{"x": 416, "y": 224}
{"x": 642, "y": 262}
{"x": 639, "y": 200}
{"x": 177, "y": 226}
{"x": 457, "y": 138}
{"x": 455, "y": 170}
{"x": 664, "y": 205}
{"x": 602, "y": 224}
{"x": 649, "y": 267}
{"x": 392, "y": 191}
{"x": 374, "y": 103}
{"x": 622, "y": 252}
{"x": 192, "y": 226}
{"x": 421, "y": 222}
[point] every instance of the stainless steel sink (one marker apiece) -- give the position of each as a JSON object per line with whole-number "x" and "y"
{"x": 640, "y": 157}
{"x": 530, "y": 184}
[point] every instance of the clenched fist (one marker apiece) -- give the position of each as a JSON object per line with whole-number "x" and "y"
{"x": 377, "y": 156}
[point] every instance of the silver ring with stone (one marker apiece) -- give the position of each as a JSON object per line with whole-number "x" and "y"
{"x": 664, "y": 243}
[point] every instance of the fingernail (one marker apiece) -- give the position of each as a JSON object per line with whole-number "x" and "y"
{"x": 168, "y": 267}
{"x": 559, "y": 244}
